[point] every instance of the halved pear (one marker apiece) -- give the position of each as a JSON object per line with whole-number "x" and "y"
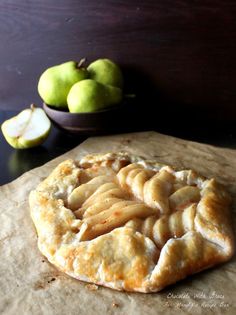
{"x": 28, "y": 129}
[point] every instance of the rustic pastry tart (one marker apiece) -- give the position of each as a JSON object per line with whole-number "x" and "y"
{"x": 131, "y": 224}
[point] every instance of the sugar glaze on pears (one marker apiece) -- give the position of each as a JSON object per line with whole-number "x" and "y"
{"x": 56, "y": 82}
{"x": 90, "y": 96}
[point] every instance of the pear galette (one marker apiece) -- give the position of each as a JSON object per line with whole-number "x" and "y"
{"x": 130, "y": 224}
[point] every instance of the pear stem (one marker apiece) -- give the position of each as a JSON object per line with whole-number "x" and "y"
{"x": 32, "y": 106}
{"x": 81, "y": 62}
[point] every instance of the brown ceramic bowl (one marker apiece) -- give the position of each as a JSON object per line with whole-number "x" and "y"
{"x": 103, "y": 121}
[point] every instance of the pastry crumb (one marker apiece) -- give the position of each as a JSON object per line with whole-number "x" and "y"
{"x": 92, "y": 287}
{"x": 115, "y": 304}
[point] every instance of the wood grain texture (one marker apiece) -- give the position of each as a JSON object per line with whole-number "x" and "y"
{"x": 178, "y": 53}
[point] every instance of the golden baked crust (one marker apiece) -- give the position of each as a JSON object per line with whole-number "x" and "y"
{"x": 131, "y": 224}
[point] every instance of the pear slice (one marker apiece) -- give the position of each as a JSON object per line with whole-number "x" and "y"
{"x": 28, "y": 129}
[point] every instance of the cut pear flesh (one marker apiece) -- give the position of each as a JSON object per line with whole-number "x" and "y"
{"x": 28, "y": 129}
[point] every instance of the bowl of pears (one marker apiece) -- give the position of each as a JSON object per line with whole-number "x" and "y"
{"x": 82, "y": 99}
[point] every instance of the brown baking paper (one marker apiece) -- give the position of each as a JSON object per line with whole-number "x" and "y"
{"x": 29, "y": 284}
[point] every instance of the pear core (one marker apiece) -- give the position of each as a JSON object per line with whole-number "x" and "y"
{"x": 28, "y": 129}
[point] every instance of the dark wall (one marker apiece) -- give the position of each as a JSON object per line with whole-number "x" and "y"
{"x": 178, "y": 53}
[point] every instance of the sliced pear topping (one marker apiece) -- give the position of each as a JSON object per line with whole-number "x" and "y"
{"x": 28, "y": 129}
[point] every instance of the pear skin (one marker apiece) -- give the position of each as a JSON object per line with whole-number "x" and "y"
{"x": 56, "y": 82}
{"x": 106, "y": 72}
{"x": 90, "y": 96}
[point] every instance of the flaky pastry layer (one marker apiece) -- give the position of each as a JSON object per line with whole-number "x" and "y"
{"x": 131, "y": 224}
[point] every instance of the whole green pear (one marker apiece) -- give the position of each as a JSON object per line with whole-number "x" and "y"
{"x": 106, "y": 72}
{"x": 56, "y": 82}
{"x": 90, "y": 96}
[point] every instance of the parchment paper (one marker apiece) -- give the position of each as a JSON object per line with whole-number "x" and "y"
{"x": 30, "y": 285}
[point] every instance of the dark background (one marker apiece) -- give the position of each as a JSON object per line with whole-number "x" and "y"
{"x": 179, "y": 57}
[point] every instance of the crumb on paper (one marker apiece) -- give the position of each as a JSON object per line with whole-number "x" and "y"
{"x": 115, "y": 304}
{"x": 51, "y": 280}
{"x": 92, "y": 287}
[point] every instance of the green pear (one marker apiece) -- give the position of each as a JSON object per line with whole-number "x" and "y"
{"x": 56, "y": 82}
{"x": 106, "y": 72}
{"x": 90, "y": 96}
{"x": 28, "y": 129}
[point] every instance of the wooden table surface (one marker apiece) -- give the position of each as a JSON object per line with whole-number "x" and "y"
{"x": 14, "y": 162}
{"x": 177, "y": 55}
